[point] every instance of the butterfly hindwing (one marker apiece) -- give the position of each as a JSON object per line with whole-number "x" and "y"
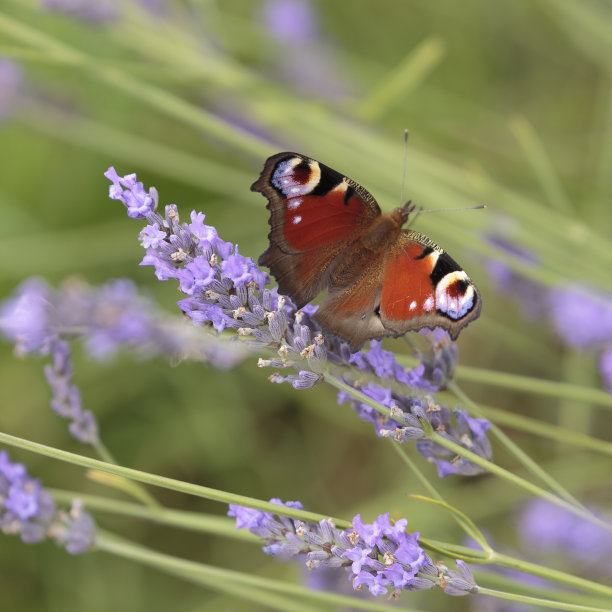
{"x": 315, "y": 212}
{"x": 430, "y": 288}
{"x": 416, "y": 285}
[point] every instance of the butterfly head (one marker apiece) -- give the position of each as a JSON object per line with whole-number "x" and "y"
{"x": 408, "y": 209}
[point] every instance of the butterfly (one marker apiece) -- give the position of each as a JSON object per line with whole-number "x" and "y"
{"x": 328, "y": 233}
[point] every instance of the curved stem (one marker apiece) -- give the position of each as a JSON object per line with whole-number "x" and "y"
{"x": 167, "y": 483}
{"x": 516, "y": 450}
{"x": 538, "y": 601}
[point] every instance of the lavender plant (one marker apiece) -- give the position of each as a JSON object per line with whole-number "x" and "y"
{"x": 226, "y": 290}
{"x": 42, "y": 321}
{"x": 27, "y": 510}
{"x": 380, "y": 556}
{"x": 236, "y": 81}
{"x": 580, "y": 315}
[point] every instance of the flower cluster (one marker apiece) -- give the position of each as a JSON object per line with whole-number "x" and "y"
{"x": 581, "y": 316}
{"x": 66, "y": 397}
{"x": 226, "y": 290}
{"x": 40, "y": 320}
{"x": 107, "y": 318}
{"x": 379, "y": 556}
{"x": 410, "y": 413}
{"x": 550, "y": 529}
{"x": 27, "y": 509}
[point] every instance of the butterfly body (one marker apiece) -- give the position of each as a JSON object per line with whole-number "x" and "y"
{"x": 328, "y": 233}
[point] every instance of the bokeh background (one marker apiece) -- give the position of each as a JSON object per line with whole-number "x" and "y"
{"x": 508, "y": 103}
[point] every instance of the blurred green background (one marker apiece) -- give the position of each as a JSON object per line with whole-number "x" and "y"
{"x": 508, "y": 103}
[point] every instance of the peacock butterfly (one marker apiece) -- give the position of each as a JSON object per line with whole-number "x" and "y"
{"x": 327, "y": 232}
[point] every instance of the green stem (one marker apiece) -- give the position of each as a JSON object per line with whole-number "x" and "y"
{"x": 493, "y": 557}
{"x": 537, "y": 601}
{"x": 167, "y": 483}
{"x": 518, "y": 452}
{"x": 212, "y": 575}
{"x": 569, "y": 504}
{"x": 541, "y": 165}
{"x": 467, "y": 525}
{"x": 134, "y": 489}
{"x": 518, "y": 481}
{"x": 517, "y": 583}
{"x": 150, "y": 95}
{"x": 137, "y": 151}
{"x": 546, "y": 430}
{"x": 517, "y": 382}
{"x": 182, "y": 519}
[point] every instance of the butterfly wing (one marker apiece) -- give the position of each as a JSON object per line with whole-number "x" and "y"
{"x": 415, "y": 285}
{"x": 315, "y": 213}
{"x": 431, "y": 290}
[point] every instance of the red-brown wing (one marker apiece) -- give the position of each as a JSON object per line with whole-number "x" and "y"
{"x": 352, "y": 312}
{"x": 415, "y": 285}
{"x": 315, "y": 213}
{"x": 425, "y": 287}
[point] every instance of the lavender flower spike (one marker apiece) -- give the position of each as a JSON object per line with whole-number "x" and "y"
{"x": 27, "y": 509}
{"x": 551, "y": 529}
{"x": 138, "y": 202}
{"x": 41, "y": 321}
{"x": 379, "y": 556}
{"x": 226, "y": 290}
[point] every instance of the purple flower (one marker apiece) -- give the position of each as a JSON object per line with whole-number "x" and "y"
{"x": 457, "y": 426}
{"x": 41, "y": 320}
{"x": 22, "y": 498}
{"x": 75, "y": 530}
{"x": 237, "y": 268}
{"x": 139, "y": 203}
{"x": 581, "y": 316}
{"x": 546, "y": 527}
{"x": 458, "y": 583}
{"x": 66, "y": 400}
{"x": 11, "y": 80}
{"x": 290, "y": 21}
{"x": 196, "y": 275}
{"x": 27, "y": 509}
{"x": 375, "y": 583}
{"x": 379, "y": 556}
{"x": 24, "y": 319}
{"x": 205, "y": 233}
{"x": 152, "y": 236}
{"x": 164, "y": 270}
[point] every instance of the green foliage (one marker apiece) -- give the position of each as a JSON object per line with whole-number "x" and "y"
{"x": 507, "y": 103}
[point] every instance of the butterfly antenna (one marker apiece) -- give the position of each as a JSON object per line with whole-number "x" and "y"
{"x": 406, "y": 134}
{"x": 479, "y": 207}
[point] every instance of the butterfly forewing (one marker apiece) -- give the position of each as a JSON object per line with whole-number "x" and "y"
{"x": 315, "y": 213}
